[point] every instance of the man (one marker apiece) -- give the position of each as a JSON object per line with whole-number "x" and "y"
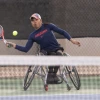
{"x": 44, "y": 36}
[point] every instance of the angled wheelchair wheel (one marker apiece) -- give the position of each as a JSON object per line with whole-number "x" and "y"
{"x": 73, "y": 74}
{"x": 30, "y": 74}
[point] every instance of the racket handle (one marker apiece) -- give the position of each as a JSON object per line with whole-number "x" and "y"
{"x": 4, "y": 41}
{"x": 10, "y": 45}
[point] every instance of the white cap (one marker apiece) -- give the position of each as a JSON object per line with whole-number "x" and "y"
{"x": 35, "y": 15}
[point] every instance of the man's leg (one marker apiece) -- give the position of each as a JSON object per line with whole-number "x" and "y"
{"x": 56, "y": 68}
{"x": 50, "y": 69}
{"x": 52, "y": 73}
{"x": 50, "y": 77}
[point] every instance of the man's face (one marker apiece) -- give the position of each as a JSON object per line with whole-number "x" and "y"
{"x": 36, "y": 23}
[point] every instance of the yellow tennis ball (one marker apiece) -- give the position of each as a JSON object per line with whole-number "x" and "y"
{"x": 15, "y": 33}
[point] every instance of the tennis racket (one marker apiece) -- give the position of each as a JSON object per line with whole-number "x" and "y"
{"x": 2, "y": 36}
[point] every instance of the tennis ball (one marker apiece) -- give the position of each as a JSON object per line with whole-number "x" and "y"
{"x": 15, "y": 33}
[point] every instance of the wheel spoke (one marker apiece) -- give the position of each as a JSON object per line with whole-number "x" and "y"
{"x": 73, "y": 74}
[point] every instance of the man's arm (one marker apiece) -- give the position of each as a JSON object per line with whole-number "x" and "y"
{"x": 25, "y": 48}
{"x": 60, "y": 31}
{"x": 64, "y": 33}
{"x": 75, "y": 42}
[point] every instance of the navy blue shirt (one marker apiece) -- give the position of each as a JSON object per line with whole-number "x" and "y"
{"x": 45, "y": 37}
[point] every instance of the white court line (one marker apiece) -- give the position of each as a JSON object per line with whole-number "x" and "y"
{"x": 47, "y": 93}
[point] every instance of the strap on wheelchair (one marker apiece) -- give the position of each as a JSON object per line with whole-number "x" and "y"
{"x": 50, "y": 52}
{"x": 60, "y": 48}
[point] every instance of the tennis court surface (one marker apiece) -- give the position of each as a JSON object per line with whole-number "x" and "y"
{"x": 12, "y": 79}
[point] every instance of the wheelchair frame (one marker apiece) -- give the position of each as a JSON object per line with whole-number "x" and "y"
{"x": 70, "y": 71}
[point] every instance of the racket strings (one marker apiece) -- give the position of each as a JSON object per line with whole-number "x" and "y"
{"x": 1, "y": 31}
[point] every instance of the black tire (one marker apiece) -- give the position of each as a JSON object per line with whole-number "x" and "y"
{"x": 30, "y": 74}
{"x": 73, "y": 74}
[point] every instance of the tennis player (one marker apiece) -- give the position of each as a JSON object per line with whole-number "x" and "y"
{"x": 43, "y": 35}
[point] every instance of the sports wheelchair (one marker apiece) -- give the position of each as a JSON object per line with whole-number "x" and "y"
{"x": 63, "y": 73}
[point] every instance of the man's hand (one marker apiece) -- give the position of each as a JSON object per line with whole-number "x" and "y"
{"x": 75, "y": 42}
{"x": 8, "y": 44}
